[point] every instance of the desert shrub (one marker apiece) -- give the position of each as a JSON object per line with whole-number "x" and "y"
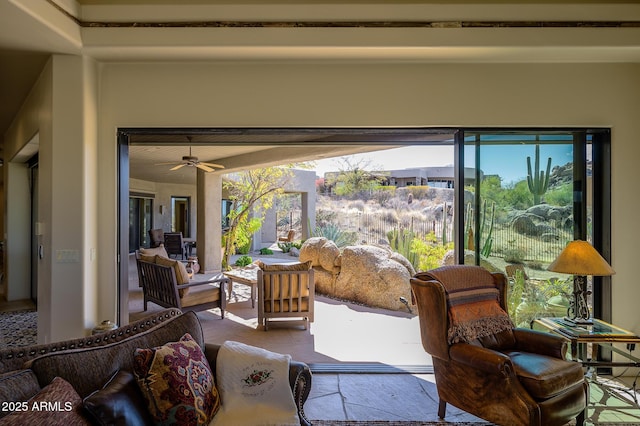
{"x": 244, "y": 249}
{"x": 534, "y": 264}
{"x": 561, "y": 195}
{"x": 390, "y": 216}
{"x": 285, "y": 247}
{"x": 383, "y": 194}
{"x": 514, "y": 255}
{"x": 356, "y": 205}
{"x": 430, "y": 253}
{"x": 325, "y": 217}
{"x": 334, "y": 233}
{"x": 244, "y": 261}
{"x": 418, "y": 191}
{"x": 265, "y": 251}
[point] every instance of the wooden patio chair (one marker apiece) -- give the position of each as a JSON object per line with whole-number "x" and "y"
{"x": 286, "y": 293}
{"x": 289, "y": 238}
{"x": 175, "y": 245}
{"x": 166, "y": 283}
{"x": 156, "y": 237}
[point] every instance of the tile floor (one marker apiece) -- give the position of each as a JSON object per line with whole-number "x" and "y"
{"x": 347, "y": 338}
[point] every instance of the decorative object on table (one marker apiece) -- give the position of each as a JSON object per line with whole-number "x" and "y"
{"x": 580, "y": 259}
{"x": 193, "y": 267}
{"x": 106, "y": 325}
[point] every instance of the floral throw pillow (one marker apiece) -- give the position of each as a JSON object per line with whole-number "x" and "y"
{"x": 177, "y": 383}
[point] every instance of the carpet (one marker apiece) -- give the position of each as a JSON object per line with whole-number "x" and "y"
{"x": 19, "y": 328}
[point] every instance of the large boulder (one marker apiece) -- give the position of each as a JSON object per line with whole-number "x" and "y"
{"x": 374, "y": 276}
{"x": 370, "y": 275}
{"x": 321, "y": 252}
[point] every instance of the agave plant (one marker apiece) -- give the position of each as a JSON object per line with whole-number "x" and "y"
{"x": 332, "y": 232}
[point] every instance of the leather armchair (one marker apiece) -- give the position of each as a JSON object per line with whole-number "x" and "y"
{"x": 507, "y": 376}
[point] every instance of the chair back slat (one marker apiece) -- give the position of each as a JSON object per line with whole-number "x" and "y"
{"x": 159, "y": 283}
{"x": 285, "y": 294}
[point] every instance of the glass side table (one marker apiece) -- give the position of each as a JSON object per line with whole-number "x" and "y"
{"x": 598, "y": 333}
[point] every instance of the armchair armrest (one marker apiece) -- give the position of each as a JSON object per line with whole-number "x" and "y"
{"x": 223, "y": 281}
{"x": 487, "y": 360}
{"x": 540, "y": 342}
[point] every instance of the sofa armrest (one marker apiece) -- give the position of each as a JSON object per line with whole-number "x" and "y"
{"x": 299, "y": 379}
{"x": 300, "y": 382}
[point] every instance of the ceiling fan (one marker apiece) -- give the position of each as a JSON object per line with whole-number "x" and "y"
{"x": 191, "y": 161}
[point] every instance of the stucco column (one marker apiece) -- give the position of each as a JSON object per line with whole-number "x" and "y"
{"x": 308, "y": 215}
{"x": 209, "y": 234}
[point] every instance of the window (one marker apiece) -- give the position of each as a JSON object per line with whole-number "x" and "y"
{"x": 532, "y": 193}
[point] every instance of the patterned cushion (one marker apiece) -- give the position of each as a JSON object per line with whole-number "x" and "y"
{"x": 60, "y": 396}
{"x": 475, "y": 313}
{"x": 177, "y": 383}
{"x": 160, "y": 251}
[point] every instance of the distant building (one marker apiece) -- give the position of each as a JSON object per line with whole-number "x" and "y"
{"x": 436, "y": 177}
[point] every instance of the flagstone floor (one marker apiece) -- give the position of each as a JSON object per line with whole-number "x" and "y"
{"x": 356, "y": 352}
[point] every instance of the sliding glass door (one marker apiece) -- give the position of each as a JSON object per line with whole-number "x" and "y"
{"x": 528, "y": 194}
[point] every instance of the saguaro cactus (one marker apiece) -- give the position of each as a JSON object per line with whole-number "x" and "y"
{"x": 539, "y": 181}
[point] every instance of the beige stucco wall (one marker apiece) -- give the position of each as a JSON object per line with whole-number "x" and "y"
{"x": 62, "y": 110}
{"x": 76, "y": 99}
{"x": 162, "y": 196}
{"x": 290, "y": 94}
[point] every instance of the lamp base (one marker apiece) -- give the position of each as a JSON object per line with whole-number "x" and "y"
{"x": 579, "y": 321}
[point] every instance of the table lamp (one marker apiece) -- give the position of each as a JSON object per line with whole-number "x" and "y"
{"x": 580, "y": 259}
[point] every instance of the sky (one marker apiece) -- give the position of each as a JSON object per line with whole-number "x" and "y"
{"x": 507, "y": 161}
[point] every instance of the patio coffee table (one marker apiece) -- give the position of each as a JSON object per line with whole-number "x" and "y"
{"x": 246, "y": 276}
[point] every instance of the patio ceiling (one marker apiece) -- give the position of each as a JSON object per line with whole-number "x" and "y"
{"x": 241, "y": 149}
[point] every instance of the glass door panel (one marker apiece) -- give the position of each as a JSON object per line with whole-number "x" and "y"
{"x": 519, "y": 215}
{"x": 140, "y": 221}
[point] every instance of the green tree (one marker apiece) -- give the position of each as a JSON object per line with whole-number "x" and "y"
{"x": 356, "y": 178}
{"x": 562, "y": 195}
{"x": 518, "y": 196}
{"x": 252, "y": 193}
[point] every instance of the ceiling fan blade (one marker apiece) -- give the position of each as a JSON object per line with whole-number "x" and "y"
{"x": 179, "y": 166}
{"x": 167, "y": 163}
{"x": 201, "y": 166}
{"x": 217, "y": 166}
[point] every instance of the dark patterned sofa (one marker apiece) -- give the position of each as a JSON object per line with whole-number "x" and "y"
{"x": 87, "y": 364}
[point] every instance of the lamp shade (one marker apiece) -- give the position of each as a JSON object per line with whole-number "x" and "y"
{"x": 580, "y": 258}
